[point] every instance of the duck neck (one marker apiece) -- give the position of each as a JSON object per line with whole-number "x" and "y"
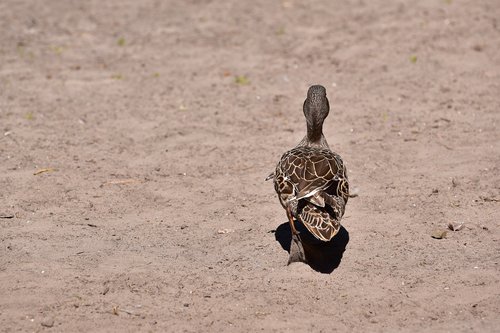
{"x": 314, "y": 137}
{"x": 314, "y": 132}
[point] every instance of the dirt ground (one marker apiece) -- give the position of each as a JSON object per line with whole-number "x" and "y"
{"x": 135, "y": 137}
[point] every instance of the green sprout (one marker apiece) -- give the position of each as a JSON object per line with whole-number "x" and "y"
{"x": 280, "y": 31}
{"x": 241, "y": 80}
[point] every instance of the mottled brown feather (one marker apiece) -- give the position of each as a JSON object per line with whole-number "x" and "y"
{"x": 310, "y": 179}
{"x": 297, "y": 176}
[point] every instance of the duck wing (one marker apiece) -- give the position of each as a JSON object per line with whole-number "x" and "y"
{"x": 314, "y": 181}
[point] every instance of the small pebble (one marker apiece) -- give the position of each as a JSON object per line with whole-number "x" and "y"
{"x": 105, "y": 290}
{"x": 48, "y": 322}
{"x": 455, "y": 226}
{"x": 224, "y": 231}
{"x": 438, "y": 234}
{"x": 354, "y": 192}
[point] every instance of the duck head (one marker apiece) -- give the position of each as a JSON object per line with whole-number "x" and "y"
{"x": 316, "y": 109}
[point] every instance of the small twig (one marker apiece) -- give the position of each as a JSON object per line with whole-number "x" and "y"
{"x": 129, "y": 312}
{"x": 43, "y": 170}
{"x": 120, "y": 181}
{"x": 116, "y": 309}
{"x": 442, "y": 144}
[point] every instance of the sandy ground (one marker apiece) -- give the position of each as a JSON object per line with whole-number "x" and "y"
{"x": 157, "y": 121}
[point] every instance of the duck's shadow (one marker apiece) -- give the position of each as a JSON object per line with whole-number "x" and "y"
{"x": 323, "y": 257}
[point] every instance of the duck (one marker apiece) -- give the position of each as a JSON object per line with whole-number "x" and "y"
{"x": 311, "y": 180}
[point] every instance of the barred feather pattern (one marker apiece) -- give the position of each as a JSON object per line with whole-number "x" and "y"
{"x": 313, "y": 182}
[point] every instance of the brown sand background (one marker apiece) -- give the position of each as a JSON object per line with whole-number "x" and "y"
{"x": 159, "y": 120}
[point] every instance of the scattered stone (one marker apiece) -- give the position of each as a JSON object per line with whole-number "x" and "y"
{"x": 439, "y": 233}
{"x": 455, "y": 226}
{"x": 354, "y": 192}
{"x": 48, "y": 322}
{"x": 489, "y": 199}
{"x": 224, "y": 231}
{"x": 477, "y": 47}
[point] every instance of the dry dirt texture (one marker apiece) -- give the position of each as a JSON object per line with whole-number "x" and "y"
{"x": 157, "y": 122}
